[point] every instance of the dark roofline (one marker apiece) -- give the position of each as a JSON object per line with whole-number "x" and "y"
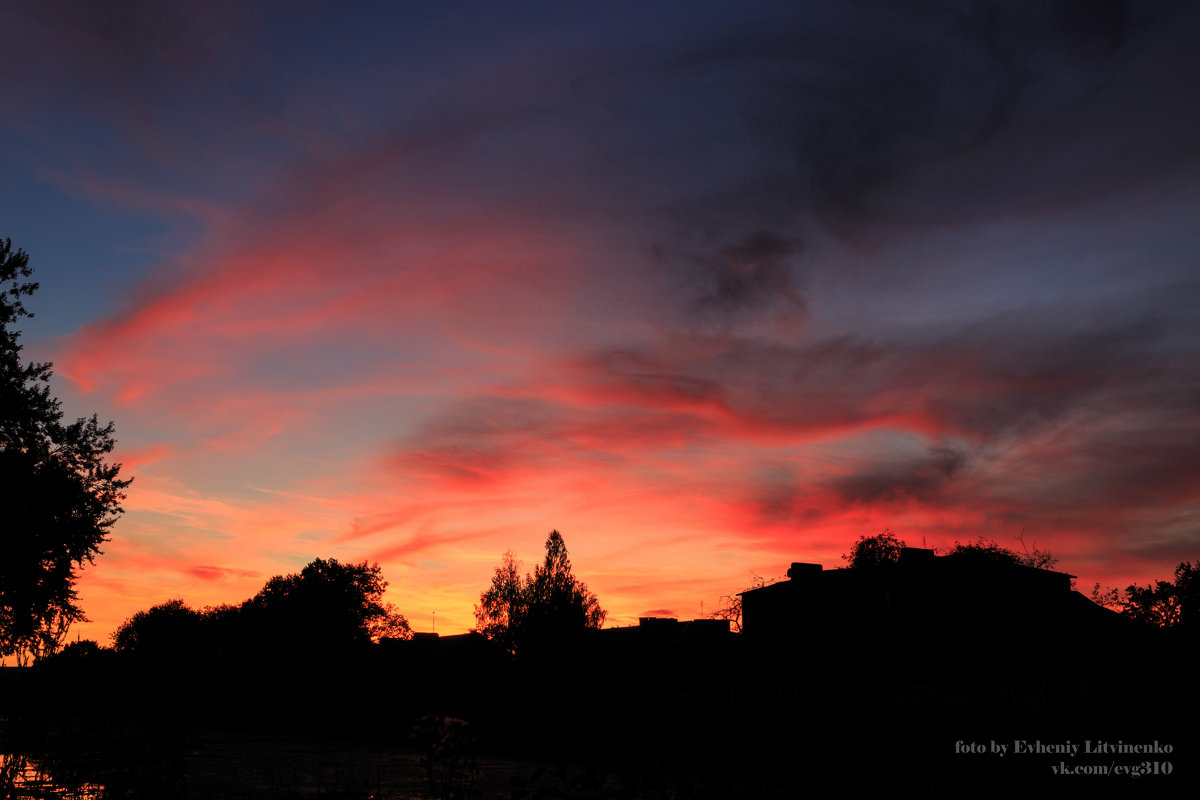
{"x": 910, "y": 557}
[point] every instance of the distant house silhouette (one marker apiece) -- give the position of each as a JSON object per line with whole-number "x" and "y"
{"x": 636, "y": 657}
{"x": 668, "y": 631}
{"x": 424, "y": 643}
{"x": 956, "y": 608}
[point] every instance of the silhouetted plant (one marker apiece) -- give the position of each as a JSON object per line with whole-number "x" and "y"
{"x": 542, "y": 608}
{"x": 1167, "y": 604}
{"x": 168, "y": 628}
{"x": 730, "y": 607}
{"x": 327, "y": 604}
{"x": 989, "y": 550}
{"x": 1034, "y": 557}
{"x": 874, "y": 551}
{"x": 984, "y": 550}
{"x": 447, "y": 745}
{"x": 1109, "y": 597}
{"x": 82, "y": 649}
{"x": 59, "y": 495}
{"x": 1187, "y": 589}
{"x": 500, "y": 615}
{"x": 13, "y": 767}
{"x": 558, "y": 603}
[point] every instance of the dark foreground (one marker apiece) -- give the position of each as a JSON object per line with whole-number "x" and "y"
{"x": 729, "y": 723}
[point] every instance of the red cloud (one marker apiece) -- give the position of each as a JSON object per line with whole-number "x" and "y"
{"x": 212, "y": 573}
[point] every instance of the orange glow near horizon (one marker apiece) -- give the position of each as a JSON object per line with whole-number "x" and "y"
{"x": 444, "y": 446}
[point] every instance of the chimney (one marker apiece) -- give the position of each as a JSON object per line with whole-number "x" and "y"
{"x": 914, "y": 556}
{"x": 800, "y": 569}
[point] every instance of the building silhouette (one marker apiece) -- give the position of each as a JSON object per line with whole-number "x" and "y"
{"x": 959, "y": 610}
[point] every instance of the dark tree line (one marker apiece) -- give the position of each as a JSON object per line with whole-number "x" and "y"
{"x": 329, "y": 607}
{"x": 326, "y": 608}
{"x": 1173, "y": 605}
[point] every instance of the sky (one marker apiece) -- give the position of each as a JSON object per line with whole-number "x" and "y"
{"x": 708, "y": 287}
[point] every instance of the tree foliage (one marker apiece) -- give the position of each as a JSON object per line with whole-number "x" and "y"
{"x": 884, "y": 549}
{"x": 1167, "y": 604}
{"x": 1108, "y": 597}
{"x": 559, "y": 604}
{"x": 983, "y": 549}
{"x": 170, "y": 628}
{"x": 326, "y": 607}
{"x": 327, "y": 604}
{"x": 58, "y": 493}
{"x": 874, "y": 551}
{"x": 539, "y": 609}
{"x": 500, "y": 615}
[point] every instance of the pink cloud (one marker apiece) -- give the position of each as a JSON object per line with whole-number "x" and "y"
{"x": 214, "y": 573}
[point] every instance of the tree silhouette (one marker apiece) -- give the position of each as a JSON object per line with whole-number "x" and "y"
{"x": 983, "y": 549}
{"x": 874, "y": 551}
{"x": 730, "y": 607}
{"x": 559, "y": 604}
{"x": 327, "y": 605}
{"x": 540, "y": 609}
{"x": 58, "y": 495}
{"x": 501, "y": 613}
{"x": 1167, "y": 604}
{"x": 167, "y": 629}
{"x": 1108, "y": 597}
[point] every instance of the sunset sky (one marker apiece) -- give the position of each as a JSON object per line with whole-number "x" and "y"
{"x": 708, "y": 287}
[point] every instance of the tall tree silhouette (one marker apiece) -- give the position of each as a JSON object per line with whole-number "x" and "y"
{"x": 59, "y": 496}
{"x": 559, "y": 604}
{"x": 502, "y": 609}
{"x": 541, "y": 609}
